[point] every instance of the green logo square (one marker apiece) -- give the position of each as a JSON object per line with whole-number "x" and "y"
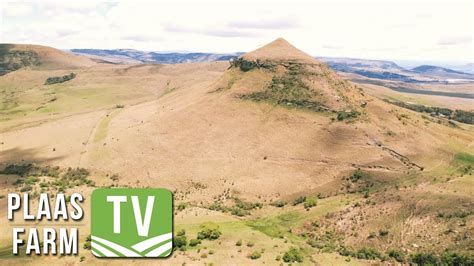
{"x": 132, "y": 222}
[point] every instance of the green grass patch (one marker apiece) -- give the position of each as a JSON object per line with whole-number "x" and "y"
{"x": 464, "y": 163}
{"x": 102, "y": 129}
{"x": 464, "y": 158}
{"x": 276, "y": 226}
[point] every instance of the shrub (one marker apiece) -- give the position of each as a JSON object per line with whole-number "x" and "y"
{"x": 76, "y": 174}
{"x": 194, "y": 242}
{"x": 398, "y": 255}
{"x": 239, "y": 212}
{"x": 451, "y": 258}
{"x": 26, "y": 188}
{"x": 278, "y": 203}
{"x": 255, "y": 255}
{"x": 299, "y": 200}
{"x": 424, "y": 259}
{"x": 293, "y": 255}
{"x": 383, "y": 232}
{"x": 346, "y": 252}
{"x": 244, "y": 65}
{"x": 181, "y": 206}
{"x": 87, "y": 244}
{"x": 180, "y": 241}
{"x": 54, "y": 80}
{"x": 181, "y": 232}
{"x": 250, "y": 244}
{"x": 114, "y": 177}
{"x": 327, "y": 242}
{"x": 31, "y": 180}
{"x": 366, "y": 193}
{"x": 247, "y": 205}
{"x": 217, "y": 206}
{"x": 28, "y": 169}
{"x": 367, "y": 254}
{"x": 17, "y": 169}
{"x": 238, "y": 243}
{"x": 355, "y": 176}
{"x": 343, "y": 115}
{"x": 464, "y": 116}
{"x": 310, "y": 202}
{"x": 209, "y": 231}
{"x": 247, "y": 65}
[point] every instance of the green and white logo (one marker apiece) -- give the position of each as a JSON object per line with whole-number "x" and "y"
{"x": 132, "y": 222}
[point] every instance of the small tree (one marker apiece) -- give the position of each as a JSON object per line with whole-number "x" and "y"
{"x": 194, "y": 242}
{"x": 180, "y": 241}
{"x": 425, "y": 259}
{"x": 209, "y": 231}
{"x": 398, "y": 255}
{"x": 310, "y": 202}
{"x": 299, "y": 200}
{"x": 383, "y": 232}
{"x": 255, "y": 255}
{"x": 278, "y": 203}
{"x": 293, "y": 255}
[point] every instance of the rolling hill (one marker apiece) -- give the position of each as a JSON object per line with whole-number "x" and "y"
{"x": 441, "y": 71}
{"x": 16, "y": 56}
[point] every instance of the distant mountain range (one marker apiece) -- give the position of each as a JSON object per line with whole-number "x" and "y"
{"x": 372, "y": 69}
{"x": 440, "y": 71}
{"x": 387, "y": 70}
{"x": 467, "y": 68}
{"x": 127, "y": 56}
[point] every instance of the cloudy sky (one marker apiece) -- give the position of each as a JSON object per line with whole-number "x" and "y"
{"x": 396, "y": 30}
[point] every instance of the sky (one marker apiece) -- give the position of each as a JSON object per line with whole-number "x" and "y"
{"x": 394, "y": 30}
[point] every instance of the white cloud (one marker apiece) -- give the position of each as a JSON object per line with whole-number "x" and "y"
{"x": 455, "y": 40}
{"x": 374, "y": 29}
{"x": 275, "y": 23}
{"x": 141, "y": 38}
{"x": 217, "y": 32}
{"x": 16, "y": 9}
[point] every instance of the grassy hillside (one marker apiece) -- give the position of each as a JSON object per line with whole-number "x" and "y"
{"x": 17, "y": 56}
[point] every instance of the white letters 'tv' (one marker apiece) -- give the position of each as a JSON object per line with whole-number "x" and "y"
{"x": 143, "y": 225}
